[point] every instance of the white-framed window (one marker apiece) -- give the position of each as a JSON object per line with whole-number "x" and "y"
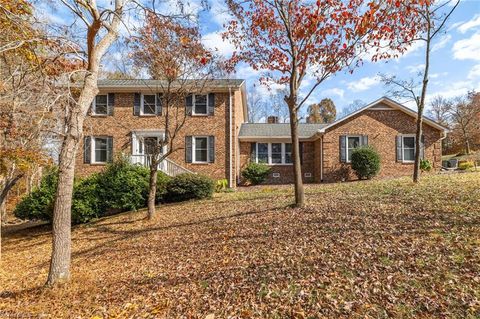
{"x": 148, "y": 104}
{"x": 200, "y": 104}
{"x": 100, "y": 104}
{"x": 352, "y": 143}
{"x": 273, "y": 153}
{"x": 200, "y": 149}
{"x": 99, "y": 150}
{"x": 408, "y": 148}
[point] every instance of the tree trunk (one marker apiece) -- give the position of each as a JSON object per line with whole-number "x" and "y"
{"x": 418, "y": 145}
{"x": 152, "y": 191}
{"x": 61, "y": 231}
{"x": 3, "y": 198}
{"x": 297, "y": 168}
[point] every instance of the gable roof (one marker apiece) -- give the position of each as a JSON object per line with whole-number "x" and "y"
{"x": 391, "y": 104}
{"x": 278, "y": 130}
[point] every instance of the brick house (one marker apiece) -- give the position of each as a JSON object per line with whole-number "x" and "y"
{"x": 218, "y": 141}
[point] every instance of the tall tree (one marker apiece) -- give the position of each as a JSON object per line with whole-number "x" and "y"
{"x": 464, "y": 113}
{"x": 172, "y": 52}
{"x": 293, "y": 39}
{"x": 323, "y": 112}
{"x": 102, "y": 26}
{"x": 439, "y": 109}
{"x": 431, "y": 21}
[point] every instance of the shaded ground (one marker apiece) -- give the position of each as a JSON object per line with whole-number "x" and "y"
{"x": 370, "y": 249}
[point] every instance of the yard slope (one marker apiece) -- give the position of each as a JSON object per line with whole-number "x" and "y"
{"x": 362, "y": 249}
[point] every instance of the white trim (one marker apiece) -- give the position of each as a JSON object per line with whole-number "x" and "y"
{"x": 230, "y": 146}
{"x": 283, "y": 153}
{"x": 194, "y": 97}
{"x": 194, "y": 160}
{"x": 403, "y": 147}
{"x": 94, "y": 105}
{"x": 393, "y": 104}
{"x": 346, "y": 145}
{"x": 321, "y": 159}
{"x": 142, "y": 106}
{"x": 138, "y": 135}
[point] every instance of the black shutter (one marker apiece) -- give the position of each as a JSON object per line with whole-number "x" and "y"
{"x": 422, "y": 147}
{"x": 211, "y": 103}
{"x": 364, "y": 140}
{"x": 188, "y": 149}
{"x": 301, "y": 152}
{"x": 87, "y": 149}
{"x": 188, "y": 104}
{"x": 253, "y": 152}
{"x": 343, "y": 148}
{"x": 136, "y": 104}
{"x": 211, "y": 149}
{"x": 111, "y": 103}
{"x": 109, "y": 149}
{"x": 399, "y": 148}
{"x": 158, "y": 106}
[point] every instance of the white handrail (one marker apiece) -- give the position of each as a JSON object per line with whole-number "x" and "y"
{"x": 167, "y": 166}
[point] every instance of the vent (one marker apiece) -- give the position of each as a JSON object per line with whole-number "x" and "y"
{"x": 276, "y": 175}
{"x": 308, "y": 174}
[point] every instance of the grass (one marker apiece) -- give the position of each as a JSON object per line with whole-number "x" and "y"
{"x": 363, "y": 250}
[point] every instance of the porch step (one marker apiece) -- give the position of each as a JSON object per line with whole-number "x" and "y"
{"x": 167, "y": 166}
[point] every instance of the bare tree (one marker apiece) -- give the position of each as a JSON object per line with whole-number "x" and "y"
{"x": 102, "y": 26}
{"x": 172, "y": 52}
{"x": 352, "y": 107}
{"x": 256, "y": 106}
{"x": 432, "y": 19}
{"x": 464, "y": 113}
{"x": 439, "y": 110}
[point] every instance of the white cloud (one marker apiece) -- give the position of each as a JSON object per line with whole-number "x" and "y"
{"x": 245, "y": 71}
{"x": 467, "y": 48}
{"x": 475, "y": 22}
{"x": 219, "y": 13}
{"x": 214, "y": 42}
{"x": 334, "y": 91}
{"x": 457, "y": 88}
{"x": 415, "y": 68}
{"x": 442, "y": 43}
{"x": 474, "y": 72}
{"x": 363, "y": 84}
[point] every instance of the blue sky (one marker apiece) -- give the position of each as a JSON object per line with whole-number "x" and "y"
{"x": 455, "y": 64}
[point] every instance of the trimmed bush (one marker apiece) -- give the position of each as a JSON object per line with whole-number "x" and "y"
{"x": 189, "y": 186}
{"x": 86, "y": 204}
{"x": 38, "y": 205}
{"x": 162, "y": 183}
{"x": 256, "y": 173}
{"x": 425, "y": 165}
{"x": 123, "y": 186}
{"x": 466, "y": 165}
{"x": 365, "y": 162}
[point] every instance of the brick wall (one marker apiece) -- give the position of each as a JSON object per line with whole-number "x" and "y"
{"x": 382, "y": 127}
{"x": 123, "y": 122}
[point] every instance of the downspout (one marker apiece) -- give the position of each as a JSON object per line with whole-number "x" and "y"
{"x": 230, "y": 175}
{"x": 321, "y": 158}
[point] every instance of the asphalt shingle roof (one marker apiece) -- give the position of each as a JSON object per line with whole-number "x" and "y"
{"x": 277, "y": 130}
{"x": 141, "y": 83}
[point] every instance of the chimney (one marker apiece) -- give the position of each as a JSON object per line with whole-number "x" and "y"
{"x": 272, "y": 119}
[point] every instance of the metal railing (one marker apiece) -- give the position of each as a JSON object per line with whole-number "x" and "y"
{"x": 167, "y": 166}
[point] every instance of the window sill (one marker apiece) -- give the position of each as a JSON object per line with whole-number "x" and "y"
{"x": 99, "y": 115}
{"x": 200, "y": 163}
{"x": 99, "y": 164}
{"x": 200, "y": 115}
{"x": 147, "y": 115}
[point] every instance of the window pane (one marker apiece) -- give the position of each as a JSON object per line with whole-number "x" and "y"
{"x": 200, "y": 155}
{"x": 409, "y": 142}
{"x": 101, "y": 104}
{"x": 353, "y": 142}
{"x": 201, "y": 146}
{"x": 262, "y": 152}
{"x": 200, "y": 104}
{"x": 100, "y": 149}
{"x": 409, "y": 154}
{"x": 150, "y": 144}
{"x": 276, "y": 153}
{"x": 149, "y": 104}
{"x": 288, "y": 153}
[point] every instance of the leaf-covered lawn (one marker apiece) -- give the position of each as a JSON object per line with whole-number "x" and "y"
{"x": 371, "y": 249}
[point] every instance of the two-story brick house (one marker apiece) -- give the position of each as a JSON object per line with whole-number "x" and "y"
{"x": 217, "y": 140}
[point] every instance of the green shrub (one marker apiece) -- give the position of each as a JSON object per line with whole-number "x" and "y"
{"x": 86, "y": 204}
{"x": 39, "y": 203}
{"x": 425, "y": 165}
{"x": 365, "y": 162}
{"x": 466, "y": 165}
{"x": 221, "y": 185}
{"x": 189, "y": 186}
{"x": 256, "y": 173}
{"x": 162, "y": 183}
{"x": 123, "y": 186}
